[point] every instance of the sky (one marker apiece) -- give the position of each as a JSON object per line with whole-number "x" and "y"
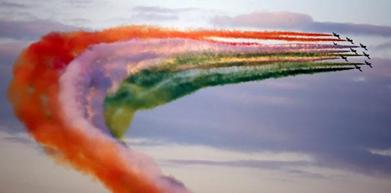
{"x": 308, "y": 133}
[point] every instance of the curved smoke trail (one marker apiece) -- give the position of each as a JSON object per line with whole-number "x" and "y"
{"x": 72, "y": 90}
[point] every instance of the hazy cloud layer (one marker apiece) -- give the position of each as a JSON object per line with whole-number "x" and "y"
{"x": 157, "y": 9}
{"x": 155, "y": 13}
{"x": 265, "y": 19}
{"x": 30, "y": 30}
{"x": 383, "y": 46}
{"x": 10, "y": 51}
{"x": 297, "y": 21}
{"x": 8, "y": 54}
{"x": 80, "y": 3}
{"x": 269, "y": 165}
{"x": 12, "y": 5}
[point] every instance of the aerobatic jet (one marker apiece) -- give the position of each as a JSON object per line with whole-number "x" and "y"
{"x": 363, "y": 46}
{"x": 349, "y": 40}
{"x": 368, "y": 63}
{"x": 354, "y": 51}
{"x": 344, "y": 57}
{"x": 366, "y": 54}
{"x": 337, "y": 35}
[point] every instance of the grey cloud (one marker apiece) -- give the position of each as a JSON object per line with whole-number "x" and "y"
{"x": 30, "y": 30}
{"x": 351, "y": 28}
{"x": 242, "y": 163}
{"x": 18, "y": 139}
{"x": 264, "y": 19}
{"x": 156, "y": 9}
{"x": 153, "y": 17}
{"x": 256, "y": 164}
{"x": 9, "y": 52}
{"x": 8, "y": 55}
{"x": 355, "y": 159}
{"x": 297, "y": 21}
{"x": 12, "y": 5}
{"x": 79, "y": 3}
{"x": 79, "y": 21}
{"x": 383, "y": 46}
{"x": 173, "y": 181}
{"x": 144, "y": 143}
{"x": 155, "y": 13}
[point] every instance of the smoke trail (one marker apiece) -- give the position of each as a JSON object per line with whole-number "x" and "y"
{"x": 72, "y": 89}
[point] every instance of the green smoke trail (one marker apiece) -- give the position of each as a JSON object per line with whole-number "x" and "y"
{"x": 186, "y": 74}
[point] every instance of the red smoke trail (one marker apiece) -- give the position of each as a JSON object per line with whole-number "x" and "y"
{"x": 34, "y": 94}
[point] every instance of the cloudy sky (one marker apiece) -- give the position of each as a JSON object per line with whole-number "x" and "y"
{"x": 309, "y": 133}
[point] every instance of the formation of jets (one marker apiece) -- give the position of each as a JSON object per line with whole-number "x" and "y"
{"x": 354, "y": 51}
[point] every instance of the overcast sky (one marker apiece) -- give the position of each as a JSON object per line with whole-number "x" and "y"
{"x": 309, "y": 133}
